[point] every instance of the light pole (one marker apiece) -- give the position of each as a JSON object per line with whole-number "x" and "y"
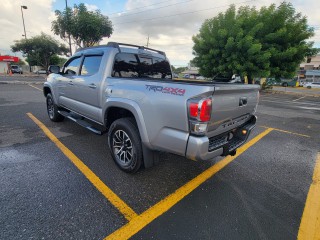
{"x": 68, "y": 28}
{"x": 24, "y": 27}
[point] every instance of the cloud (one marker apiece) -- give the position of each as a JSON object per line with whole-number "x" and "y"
{"x": 171, "y": 24}
{"x": 37, "y": 19}
{"x": 91, "y": 7}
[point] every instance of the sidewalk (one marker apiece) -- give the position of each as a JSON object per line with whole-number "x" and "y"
{"x": 296, "y": 90}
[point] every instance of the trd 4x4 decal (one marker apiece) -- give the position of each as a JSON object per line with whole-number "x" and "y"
{"x": 169, "y": 90}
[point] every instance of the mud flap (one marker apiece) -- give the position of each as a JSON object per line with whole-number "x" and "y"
{"x": 150, "y": 157}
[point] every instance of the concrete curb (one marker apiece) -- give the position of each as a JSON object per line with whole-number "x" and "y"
{"x": 292, "y": 93}
{"x": 21, "y": 82}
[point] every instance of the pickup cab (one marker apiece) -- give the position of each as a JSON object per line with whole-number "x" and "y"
{"x": 128, "y": 92}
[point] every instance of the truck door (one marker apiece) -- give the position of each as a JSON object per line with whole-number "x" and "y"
{"x": 65, "y": 82}
{"x": 87, "y": 86}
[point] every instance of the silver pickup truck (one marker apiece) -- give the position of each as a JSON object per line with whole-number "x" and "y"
{"x": 128, "y": 92}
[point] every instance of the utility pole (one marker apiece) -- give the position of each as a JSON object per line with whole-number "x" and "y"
{"x": 68, "y": 28}
{"x": 148, "y": 41}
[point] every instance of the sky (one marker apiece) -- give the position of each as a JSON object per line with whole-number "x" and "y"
{"x": 170, "y": 24}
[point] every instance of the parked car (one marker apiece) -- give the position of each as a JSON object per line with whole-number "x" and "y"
{"x": 289, "y": 82}
{"x": 313, "y": 85}
{"x": 41, "y": 71}
{"x": 111, "y": 89}
{"x": 186, "y": 76}
{"x": 200, "y": 78}
{"x": 16, "y": 69}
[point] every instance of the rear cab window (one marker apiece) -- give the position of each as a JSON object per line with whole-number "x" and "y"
{"x": 129, "y": 65}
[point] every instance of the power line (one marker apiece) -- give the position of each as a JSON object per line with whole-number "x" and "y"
{"x": 155, "y": 8}
{"x": 179, "y": 14}
{"x": 132, "y": 9}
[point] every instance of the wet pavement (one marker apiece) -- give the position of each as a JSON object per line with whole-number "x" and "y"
{"x": 259, "y": 194}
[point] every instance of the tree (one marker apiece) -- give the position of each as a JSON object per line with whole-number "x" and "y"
{"x": 178, "y": 70}
{"x": 57, "y": 60}
{"x": 21, "y": 62}
{"x": 86, "y": 28}
{"x": 271, "y": 41}
{"x": 39, "y": 49}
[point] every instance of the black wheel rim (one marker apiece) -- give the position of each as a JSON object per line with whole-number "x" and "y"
{"x": 122, "y": 147}
{"x": 50, "y": 108}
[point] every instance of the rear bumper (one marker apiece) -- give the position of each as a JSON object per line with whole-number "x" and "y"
{"x": 204, "y": 148}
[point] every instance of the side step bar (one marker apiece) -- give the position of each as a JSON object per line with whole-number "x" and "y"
{"x": 79, "y": 119}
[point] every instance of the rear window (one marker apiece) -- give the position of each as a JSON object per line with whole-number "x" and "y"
{"x": 128, "y": 65}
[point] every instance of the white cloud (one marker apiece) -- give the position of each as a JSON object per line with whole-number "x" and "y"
{"x": 91, "y": 7}
{"x": 174, "y": 34}
{"x": 37, "y": 19}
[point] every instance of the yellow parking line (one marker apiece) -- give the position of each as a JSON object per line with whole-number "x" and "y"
{"x": 310, "y": 222}
{"x": 94, "y": 179}
{"x": 139, "y": 222}
{"x": 284, "y": 131}
{"x": 35, "y": 87}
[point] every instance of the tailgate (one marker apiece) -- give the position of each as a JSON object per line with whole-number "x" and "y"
{"x": 233, "y": 105}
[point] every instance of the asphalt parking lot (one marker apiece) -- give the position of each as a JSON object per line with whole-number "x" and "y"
{"x": 58, "y": 180}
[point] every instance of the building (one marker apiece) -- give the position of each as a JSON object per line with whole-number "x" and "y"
{"x": 5, "y": 62}
{"x": 312, "y": 63}
{"x": 193, "y": 72}
{"x": 310, "y": 70}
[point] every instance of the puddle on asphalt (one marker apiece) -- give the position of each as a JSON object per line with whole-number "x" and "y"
{"x": 14, "y": 156}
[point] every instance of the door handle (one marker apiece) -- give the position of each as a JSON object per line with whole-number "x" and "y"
{"x": 92, "y": 85}
{"x": 243, "y": 101}
{"x": 71, "y": 83}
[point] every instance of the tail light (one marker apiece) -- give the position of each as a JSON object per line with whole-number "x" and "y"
{"x": 199, "y": 114}
{"x": 200, "y": 110}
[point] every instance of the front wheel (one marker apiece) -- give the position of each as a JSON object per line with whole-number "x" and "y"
{"x": 52, "y": 110}
{"x": 125, "y": 144}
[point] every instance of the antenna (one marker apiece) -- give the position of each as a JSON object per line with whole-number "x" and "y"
{"x": 148, "y": 41}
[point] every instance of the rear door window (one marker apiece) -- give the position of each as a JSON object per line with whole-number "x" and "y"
{"x": 125, "y": 65}
{"x": 91, "y": 65}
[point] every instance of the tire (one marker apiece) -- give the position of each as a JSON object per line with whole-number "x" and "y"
{"x": 52, "y": 110}
{"x": 125, "y": 145}
{"x": 285, "y": 84}
{"x": 309, "y": 87}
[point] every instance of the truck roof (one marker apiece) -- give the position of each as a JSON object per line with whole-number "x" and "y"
{"x": 128, "y": 48}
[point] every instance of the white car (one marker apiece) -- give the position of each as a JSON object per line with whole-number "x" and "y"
{"x": 40, "y": 71}
{"x": 312, "y": 85}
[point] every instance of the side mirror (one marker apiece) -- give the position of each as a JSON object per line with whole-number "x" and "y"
{"x": 53, "y": 69}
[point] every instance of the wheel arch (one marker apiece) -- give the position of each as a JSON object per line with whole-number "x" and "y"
{"x": 131, "y": 108}
{"x": 118, "y": 108}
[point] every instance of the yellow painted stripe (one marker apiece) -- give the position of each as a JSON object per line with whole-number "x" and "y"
{"x": 136, "y": 224}
{"x": 310, "y": 222}
{"x": 94, "y": 179}
{"x": 35, "y": 87}
{"x": 284, "y": 131}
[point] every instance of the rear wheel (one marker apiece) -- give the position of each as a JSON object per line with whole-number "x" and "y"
{"x": 52, "y": 110}
{"x": 285, "y": 84}
{"x": 125, "y": 144}
{"x": 309, "y": 87}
